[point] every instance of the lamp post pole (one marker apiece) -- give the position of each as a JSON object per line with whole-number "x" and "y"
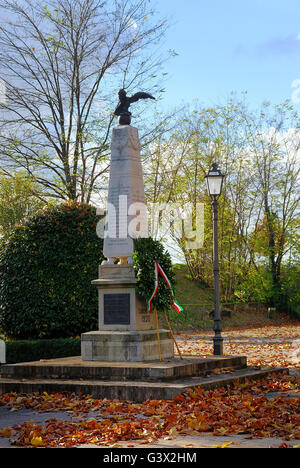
{"x": 214, "y": 180}
{"x": 218, "y": 340}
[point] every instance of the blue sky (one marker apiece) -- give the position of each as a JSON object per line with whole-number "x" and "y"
{"x": 232, "y": 45}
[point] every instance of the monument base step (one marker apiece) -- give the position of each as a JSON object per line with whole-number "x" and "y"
{"x": 75, "y": 368}
{"x": 136, "y": 391}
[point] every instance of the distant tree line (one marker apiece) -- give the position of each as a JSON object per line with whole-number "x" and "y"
{"x": 258, "y": 151}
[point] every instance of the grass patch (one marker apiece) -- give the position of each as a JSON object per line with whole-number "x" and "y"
{"x": 198, "y": 301}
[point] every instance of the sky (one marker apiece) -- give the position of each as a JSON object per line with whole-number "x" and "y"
{"x": 229, "y": 46}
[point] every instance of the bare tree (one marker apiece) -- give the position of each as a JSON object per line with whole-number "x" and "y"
{"x": 62, "y": 65}
{"x": 274, "y": 142}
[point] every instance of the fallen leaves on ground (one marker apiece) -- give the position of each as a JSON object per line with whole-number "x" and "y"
{"x": 264, "y": 408}
{"x": 274, "y": 346}
{"x": 244, "y": 408}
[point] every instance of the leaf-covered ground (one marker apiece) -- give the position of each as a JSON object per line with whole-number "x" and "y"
{"x": 274, "y": 346}
{"x": 265, "y": 408}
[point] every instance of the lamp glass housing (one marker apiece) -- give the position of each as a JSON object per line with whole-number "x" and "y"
{"x": 214, "y": 180}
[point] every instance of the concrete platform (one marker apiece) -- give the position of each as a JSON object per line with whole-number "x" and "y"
{"x": 127, "y": 381}
{"x": 76, "y": 368}
{"x": 134, "y": 391}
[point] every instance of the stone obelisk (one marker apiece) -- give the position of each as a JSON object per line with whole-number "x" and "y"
{"x": 126, "y": 211}
{"x": 127, "y": 331}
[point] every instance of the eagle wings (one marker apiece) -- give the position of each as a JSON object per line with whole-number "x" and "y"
{"x": 137, "y": 96}
{"x": 125, "y": 101}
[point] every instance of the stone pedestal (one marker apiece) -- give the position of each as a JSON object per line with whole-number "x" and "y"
{"x": 120, "y": 346}
{"x": 121, "y": 308}
{"x": 127, "y": 332}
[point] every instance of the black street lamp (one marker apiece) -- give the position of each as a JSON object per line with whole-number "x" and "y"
{"x": 214, "y": 181}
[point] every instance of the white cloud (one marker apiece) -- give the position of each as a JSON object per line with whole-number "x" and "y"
{"x": 296, "y": 94}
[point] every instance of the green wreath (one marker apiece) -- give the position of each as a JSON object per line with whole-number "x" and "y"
{"x": 147, "y": 251}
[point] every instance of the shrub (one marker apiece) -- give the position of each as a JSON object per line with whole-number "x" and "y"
{"x": 46, "y": 269}
{"x": 290, "y": 294}
{"x": 25, "y": 351}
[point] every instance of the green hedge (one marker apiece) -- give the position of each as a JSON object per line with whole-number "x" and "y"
{"x": 46, "y": 269}
{"x": 26, "y": 351}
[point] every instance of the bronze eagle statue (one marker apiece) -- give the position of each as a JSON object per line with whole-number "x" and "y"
{"x": 125, "y": 102}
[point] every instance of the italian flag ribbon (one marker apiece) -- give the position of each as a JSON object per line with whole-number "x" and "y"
{"x": 160, "y": 271}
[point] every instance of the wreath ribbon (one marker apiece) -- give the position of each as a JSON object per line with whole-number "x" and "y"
{"x": 160, "y": 271}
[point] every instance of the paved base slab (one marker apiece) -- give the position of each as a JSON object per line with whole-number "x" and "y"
{"x": 137, "y": 391}
{"x": 76, "y": 368}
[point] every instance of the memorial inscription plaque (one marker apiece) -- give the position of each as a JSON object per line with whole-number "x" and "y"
{"x": 116, "y": 309}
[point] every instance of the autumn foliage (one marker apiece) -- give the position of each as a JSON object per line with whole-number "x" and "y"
{"x": 242, "y": 409}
